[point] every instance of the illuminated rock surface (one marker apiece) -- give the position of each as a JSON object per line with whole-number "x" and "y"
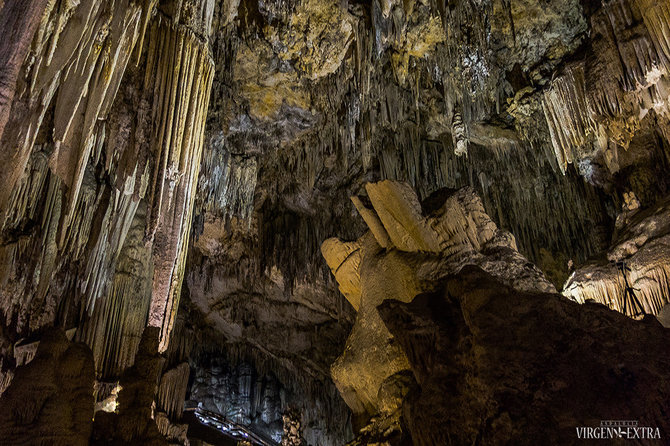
{"x": 634, "y": 278}
{"x": 420, "y": 249}
{"x": 178, "y": 164}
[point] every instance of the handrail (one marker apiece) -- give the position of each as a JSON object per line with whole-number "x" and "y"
{"x": 228, "y": 427}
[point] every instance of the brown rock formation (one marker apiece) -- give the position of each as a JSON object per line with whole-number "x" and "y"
{"x": 419, "y": 250}
{"x": 50, "y": 400}
{"x": 498, "y": 366}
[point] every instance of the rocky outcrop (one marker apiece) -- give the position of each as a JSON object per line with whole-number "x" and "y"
{"x": 499, "y": 366}
{"x": 50, "y": 400}
{"x": 633, "y": 279}
{"x": 292, "y": 430}
{"x": 409, "y": 247}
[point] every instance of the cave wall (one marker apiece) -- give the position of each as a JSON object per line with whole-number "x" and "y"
{"x": 103, "y": 156}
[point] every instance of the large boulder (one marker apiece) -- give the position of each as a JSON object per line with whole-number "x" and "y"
{"x": 497, "y": 365}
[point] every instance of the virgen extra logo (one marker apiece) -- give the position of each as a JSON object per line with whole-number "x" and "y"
{"x": 619, "y": 429}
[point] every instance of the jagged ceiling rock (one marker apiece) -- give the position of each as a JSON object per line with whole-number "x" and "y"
{"x": 597, "y": 104}
{"x": 422, "y": 245}
{"x": 105, "y": 134}
{"x": 501, "y": 365}
{"x": 551, "y": 111}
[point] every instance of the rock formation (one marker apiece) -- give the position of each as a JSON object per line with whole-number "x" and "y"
{"x": 178, "y": 164}
{"x": 633, "y": 279}
{"x": 405, "y": 253}
{"x": 134, "y": 420}
{"x": 494, "y": 354}
{"x": 50, "y": 400}
{"x": 501, "y": 366}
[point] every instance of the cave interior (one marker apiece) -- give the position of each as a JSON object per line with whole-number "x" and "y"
{"x": 329, "y": 223}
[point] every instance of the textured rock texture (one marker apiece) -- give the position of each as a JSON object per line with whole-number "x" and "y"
{"x": 134, "y": 421}
{"x": 50, "y": 400}
{"x": 178, "y": 164}
{"x": 502, "y": 366}
{"x": 633, "y": 279}
{"x": 407, "y": 250}
{"x": 96, "y": 132}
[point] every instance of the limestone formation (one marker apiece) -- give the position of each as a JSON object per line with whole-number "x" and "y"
{"x": 50, "y": 400}
{"x": 633, "y": 279}
{"x": 185, "y": 165}
{"x": 423, "y": 245}
{"x": 505, "y": 366}
{"x": 134, "y": 421}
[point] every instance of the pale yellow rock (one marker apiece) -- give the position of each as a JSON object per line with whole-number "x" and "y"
{"x": 344, "y": 261}
{"x": 374, "y": 223}
{"x": 399, "y": 210}
{"x": 420, "y": 251}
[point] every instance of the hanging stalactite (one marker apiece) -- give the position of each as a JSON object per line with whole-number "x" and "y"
{"x": 180, "y": 71}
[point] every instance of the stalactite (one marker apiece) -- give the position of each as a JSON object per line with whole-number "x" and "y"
{"x": 459, "y": 135}
{"x": 178, "y": 61}
{"x": 59, "y": 200}
{"x": 598, "y": 103}
{"x": 605, "y": 284}
{"x": 635, "y": 280}
{"x": 568, "y": 117}
{"x": 116, "y": 323}
{"x": 656, "y": 15}
{"x": 172, "y": 390}
{"x": 228, "y": 182}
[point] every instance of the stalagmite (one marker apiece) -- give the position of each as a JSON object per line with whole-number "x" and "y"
{"x": 344, "y": 259}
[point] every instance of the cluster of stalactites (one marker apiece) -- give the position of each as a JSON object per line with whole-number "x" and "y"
{"x": 596, "y": 105}
{"x": 227, "y": 182}
{"x": 79, "y": 55}
{"x": 101, "y": 204}
{"x": 635, "y": 280}
{"x": 172, "y": 390}
{"x": 180, "y": 71}
{"x": 633, "y": 292}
